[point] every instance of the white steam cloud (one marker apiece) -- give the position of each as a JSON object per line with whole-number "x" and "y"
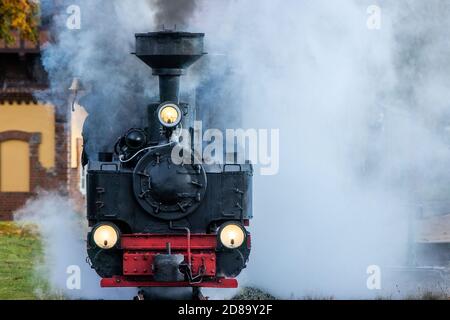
{"x": 100, "y": 54}
{"x": 63, "y": 233}
{"x": 362, "y": 134}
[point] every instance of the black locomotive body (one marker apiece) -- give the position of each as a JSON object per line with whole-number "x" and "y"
{"x": 157, "y": 221}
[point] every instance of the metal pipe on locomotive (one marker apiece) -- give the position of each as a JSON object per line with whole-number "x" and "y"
{"x": 156, "y": 223}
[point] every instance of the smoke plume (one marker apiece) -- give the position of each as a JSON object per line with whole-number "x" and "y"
{"x": 63, "y": 233}
{"x": 172, "y": 13}
{"x": 363, "y": 141}
{"x": 99, "y": 53}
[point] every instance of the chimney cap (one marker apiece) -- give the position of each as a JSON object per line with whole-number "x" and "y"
{"x": 169, "y": 49}
{"x": 170, "y": 33}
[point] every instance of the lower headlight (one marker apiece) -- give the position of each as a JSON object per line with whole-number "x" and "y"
{"x": 232, "y": 235}
{"x": 105, "y": 236}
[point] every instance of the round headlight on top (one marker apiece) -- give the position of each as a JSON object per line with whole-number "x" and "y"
{"x": 105, "y": 236}
{"x": 169, "y": 115}
{"x": 232, "y": 235}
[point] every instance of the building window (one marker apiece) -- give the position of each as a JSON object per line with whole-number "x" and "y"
{"x": 14, "y": 166}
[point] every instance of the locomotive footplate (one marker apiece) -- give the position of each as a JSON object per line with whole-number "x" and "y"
{"x": 123, "y": 282}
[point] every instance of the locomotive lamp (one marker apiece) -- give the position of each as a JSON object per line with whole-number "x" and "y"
{"x": 136, "y": 138}
{"x": 105, "y": 236}
{"x": 232, "y": 236}
{"x": 169, "y": 115}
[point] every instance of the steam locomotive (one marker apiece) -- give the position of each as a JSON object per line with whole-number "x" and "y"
{"x": 156, "y": 222}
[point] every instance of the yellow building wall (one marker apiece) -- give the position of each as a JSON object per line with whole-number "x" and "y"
{"x": 32, "y": 118}
{"x": 14, "y": 166}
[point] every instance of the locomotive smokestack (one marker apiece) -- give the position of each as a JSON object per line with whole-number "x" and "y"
{"x": 169, "y": 53}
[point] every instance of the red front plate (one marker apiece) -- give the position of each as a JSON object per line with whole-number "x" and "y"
{"x": 141, "y": 249}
